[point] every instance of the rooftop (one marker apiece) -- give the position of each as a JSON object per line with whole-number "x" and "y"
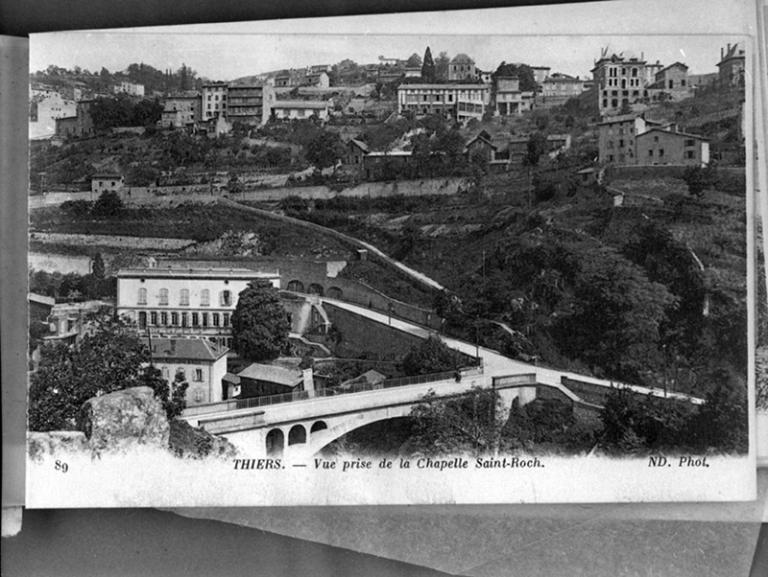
{"x": 462, "y": 59}
{"x": 178, "y": 272}
{"x": 272, "y": 374}
{"x": 300, "y": 104}
{"x": 198, "y": 349}
{"x": 451, "y": 86}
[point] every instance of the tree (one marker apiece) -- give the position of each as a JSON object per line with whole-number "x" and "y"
{"x": 471, "y": 423}
{"x": 260, "y": 324}
{"x": 98, "y": 267}
{"x": 324, "y": 149}
{"x": 428, "y": 66}
{"x": 696, "y": 179}
{"x": 523, "y": 72}
{"x": 441, "y": 66}
{"x": 108, "y": 205}
{"x": 431, "y": 356}
{"x": 414, "y": 61}
{"x": 108, "y": 358}
{"x": 172, "y": 395}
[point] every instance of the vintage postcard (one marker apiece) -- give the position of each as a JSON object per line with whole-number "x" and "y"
{"x": 294, "y": 269}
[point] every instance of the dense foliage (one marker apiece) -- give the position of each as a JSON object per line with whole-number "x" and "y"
{"x": 260, "y": 324}
{"x": 110, "y": 356}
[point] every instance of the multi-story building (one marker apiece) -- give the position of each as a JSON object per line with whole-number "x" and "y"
{"x": 671, "y": 83}
{"x": 107, "y": 182}
{"x": 214, "y": 100}
{"x": 558, "y": 88}
{"x": 634, "y": 140}
{"x": 459, "y": 101}
{"x": 245, "y": 103}
{"x": 130, "y": 88}
{"x": 461, "y": 67}
{"x": 298, "y": 109}
{"x": 45, "y": 110}
{"x": 731, "y": 66}
{"x": 199, "y": 362}
{"x": 658, "y": 146}
{"x": 622, "y": 81}
{"x": 180, "y": 110}
{"x": 185, "y": 301}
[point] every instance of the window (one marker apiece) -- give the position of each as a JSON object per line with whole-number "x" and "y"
{"x": 621, "y": 143}
{"x": 198, "y": 375}
{"x": 180, "y": 374}
{"x": 682, "y": 82}
{"x": 655, "y": 138}
{"x": 650, "y": 152}
{"x": 215, "y": 319}
{"x": 142, "y": 296}
{"x": 164, "y": 372}
{"x": 689, "y": 142}
{"x": 226, "y": 319}
{"x": 689, "y": 154}
{"x": 198, "y": 396}
{"x": 184, "y": 320}
{"x": 164, "y": 318}
{"x": 195, "y": 320}
{"x": 205, "y": 298}
{"x": 142, "y": 320}
{"x": 661, "y": 152}
{"x": 205, "y": 319}
{"x": 671, "y": 83}
{"x": 184, "y": 297}
{"x": 153, "y": 318}
{"x": 163, "y": 296}
{"x": 175, "y": 319}
{"x": 226, "y": 298}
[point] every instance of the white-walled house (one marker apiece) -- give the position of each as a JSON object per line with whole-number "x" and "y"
{"x": 185, "y": 301}
{"x": 199, "y": 362}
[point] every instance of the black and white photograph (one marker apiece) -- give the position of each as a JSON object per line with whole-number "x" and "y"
{"x": 321, "y": 268}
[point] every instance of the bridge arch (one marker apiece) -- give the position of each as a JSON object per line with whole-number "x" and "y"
{"x": 297, "y": 435}
{"x": 317, "y": 426}
{"x": 275, "y": 442}
{"x": 315, "y": 289}
{"x": 295, "y": 286}
{"x": 335, "y": 293}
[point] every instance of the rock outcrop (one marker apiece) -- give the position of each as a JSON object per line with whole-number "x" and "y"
{"x": 124, "y": 417}
{"x": 55, "y": 442}
{"x": 197, "y": 443}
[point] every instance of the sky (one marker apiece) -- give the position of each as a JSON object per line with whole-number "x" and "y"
{"x": 531, "y": 35}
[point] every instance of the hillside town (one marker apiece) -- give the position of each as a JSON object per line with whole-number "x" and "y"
{"x": 273, "y": 253}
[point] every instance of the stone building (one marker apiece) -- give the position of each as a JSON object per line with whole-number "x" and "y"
{"x": 461, "y": 67}
{"x": 731, "y": 66}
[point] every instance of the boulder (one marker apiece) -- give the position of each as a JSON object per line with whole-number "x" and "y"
{"x": 130, "y": 416}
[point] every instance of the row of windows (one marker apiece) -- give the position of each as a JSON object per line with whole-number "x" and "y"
{"x": 621, "y": 143}
{"x": 614, "y": 71}
{"x": 225, "y": 297}
{"x": 181, "y": 374}
{"x": 183, "y": 319}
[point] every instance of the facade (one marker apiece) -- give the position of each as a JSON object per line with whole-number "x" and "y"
{"x": 634, "y": 140}
{"x": 459, "y": 101}
{"x": 68, "y": 321}
{"x": 45, "y": 110}
{"x": 184, "y": 301}
{"x": 731, "y": 66}
{"x": 198, "y": 361}
{"x": 245, "y": 103}
{"x": 461, "y": 67}
{"x": 622, "y": 82}
{"x": 560, "y": 87}
{"x": 671, "y": 82}
{"x": 180, "y": 110}
{"x": 130, "y": 89}
{"x": 658, "y": 146}
{"x": 214, "y": 100}
{"x": 355, "y": 153}
{"x": 104, "y": 182}
{"x": 258, "y": 380}
{"x": 299, "y": 109}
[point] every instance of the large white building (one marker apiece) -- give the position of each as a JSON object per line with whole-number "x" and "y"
{"x": 185, "y": 301}
{"x": 460, "y": 101}
{"x": 214, "y": 100}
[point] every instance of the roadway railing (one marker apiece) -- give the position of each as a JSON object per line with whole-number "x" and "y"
{"x": 253, "y": 402}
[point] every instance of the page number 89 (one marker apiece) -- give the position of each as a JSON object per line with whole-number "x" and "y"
{"x": 61, "y": 466}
